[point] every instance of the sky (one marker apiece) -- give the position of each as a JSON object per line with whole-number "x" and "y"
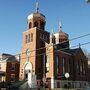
{"x": 74, "y": 15}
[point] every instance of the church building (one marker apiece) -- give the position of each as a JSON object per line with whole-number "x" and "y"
{"x": 46, "y": 58}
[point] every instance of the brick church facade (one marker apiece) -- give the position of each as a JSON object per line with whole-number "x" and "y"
{"x": 48, "y": 56}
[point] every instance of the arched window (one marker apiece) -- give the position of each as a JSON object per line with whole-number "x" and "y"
{"x": 30, "y": 25}
{"x": 35, "y": 24}
{"x": 57, "y": 63}
{"x": 26, "y": 38}
{"x": 31, "y": 37}
{"x": 84, "y": 71}
{"x": 42, "y": 25}
{"x": 63, "y": 64}
{"x": 47, "y": 63}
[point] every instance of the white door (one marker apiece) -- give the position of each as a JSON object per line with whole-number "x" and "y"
{"x": 28, "y": 72}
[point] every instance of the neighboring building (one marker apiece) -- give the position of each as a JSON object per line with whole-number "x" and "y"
{"x": 88, "y": 67}
{"x": 9, "y": 68}
{"x": 47, "y": 58}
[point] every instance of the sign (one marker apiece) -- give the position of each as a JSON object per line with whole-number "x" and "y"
{"x": 67, "y": 75}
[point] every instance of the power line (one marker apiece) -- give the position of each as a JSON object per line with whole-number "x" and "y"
{"x": 57, "y": 44}
{"x": 59, "y": 50}
{"x": 60, "y": 42}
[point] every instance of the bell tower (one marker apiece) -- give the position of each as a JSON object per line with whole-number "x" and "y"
{"x": 33, "y": 45}
{"x": 36, "y": 19}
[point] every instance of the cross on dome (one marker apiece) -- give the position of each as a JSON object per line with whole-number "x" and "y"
{"x": 60, "y": 26}
{"x": 37, "y": 6}
{"x": 52, "y": 31}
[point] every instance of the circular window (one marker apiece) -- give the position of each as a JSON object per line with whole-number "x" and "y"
{"x": 28, "y": 52}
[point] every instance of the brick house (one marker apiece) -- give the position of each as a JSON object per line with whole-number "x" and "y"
{"x": 48, "y": 56}
{"x": 89, "y": 67}
{"x": 9, "y": 68}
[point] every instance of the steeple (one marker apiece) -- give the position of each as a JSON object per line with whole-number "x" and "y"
{"x": 36, "y": 19}
{"x": 60, "y": 26}
{"x": 37, "y": 7}
{"x": 52, "y": 31}
{"x": 52, "y": 37}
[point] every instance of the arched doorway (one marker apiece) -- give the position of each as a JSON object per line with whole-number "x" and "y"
{"x": 28, "y": 73}
{"x": 28, "y": 70}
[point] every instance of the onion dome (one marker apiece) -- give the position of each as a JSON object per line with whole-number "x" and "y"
{"x": 37, "y": 14}
{"x": 36, "y": 19}
{"x": 61, "y": 33}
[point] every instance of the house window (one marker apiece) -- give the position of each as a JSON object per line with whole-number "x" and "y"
{"x": 30, "y": 25}
{"x": 26, "y": 38}
{"x": 41, "y": 36}
{"x": 31, "y": 37}
{"x": 69, "y": 66}
{"x": 12, "y": 77}
{"x": 84, "y": 68}
{"x": 35, "y": 24}
{"x": 81, "y": 66}
{"x": 57, "y": 63}
{"x": 63, "y": 64}
{"x": 42, "y": 24}
{"x": 78, "y": 66}
{"x": 21, "y": 70}
{"x": 45, "y": 37}
{"x": 13, "y": 67}
{"x": 47, "y": 63}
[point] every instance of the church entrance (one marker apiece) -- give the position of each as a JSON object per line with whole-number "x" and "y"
{"x": 26, "y": 76}
{"x": 29, "y": 76}
{"x": 28, "y": 73}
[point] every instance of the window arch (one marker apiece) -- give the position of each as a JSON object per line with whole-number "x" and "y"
{"x": 57, "y": 63}
{"x": 30, "y": 25}
{"x": 31, "y": 37}
{"x": 42, "y": 25}
{"x": 26, "y": 39}
{"x": 63, "y": 64}
{"x": 36, "y": 24}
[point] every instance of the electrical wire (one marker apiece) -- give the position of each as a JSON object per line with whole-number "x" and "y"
{"x": 60, "y": 42}
{"x": 58, "y": 50}
{"x": 55, "y": 45}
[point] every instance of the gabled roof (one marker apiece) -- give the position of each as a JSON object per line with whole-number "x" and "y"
{"x": 12, "y": 59}
{"x": 71, "y": 51}
{"x": 8, "y": 58}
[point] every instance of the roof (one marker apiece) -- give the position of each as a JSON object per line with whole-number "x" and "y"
{"x": 12, "y": 59}
{"x": 6, "y": 54}
{"x": 39, "y": 15}
{"x": 8, "y": 58}
{"x": 61, "y": 34}
{"x": 71, "y": 51}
